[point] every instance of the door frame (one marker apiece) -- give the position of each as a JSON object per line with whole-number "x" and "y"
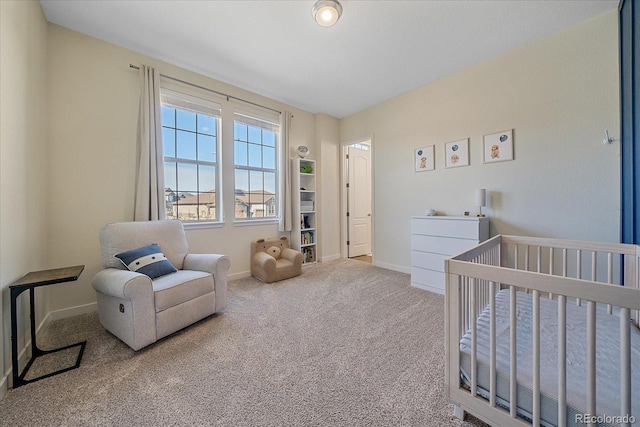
{"x": 344, "y": 175}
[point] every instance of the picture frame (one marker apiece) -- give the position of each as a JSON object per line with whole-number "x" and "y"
{"x": 424, "y": 159}
{"x": 498, "y": 147}
{"x": 456, "y": 153}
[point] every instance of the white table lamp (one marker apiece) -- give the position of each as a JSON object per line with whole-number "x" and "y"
{"x": 481, "y": 199}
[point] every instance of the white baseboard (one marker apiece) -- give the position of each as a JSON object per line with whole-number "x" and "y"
{"x": 4, "y": 384}
{"x": 70, "y": 312}
{"x": 330, "y": 258}
{"x": 393, "y": 267}
{"x": 24, "y": 354}
{"x": 240, "y": 275}
{"x": 434, "y": 289}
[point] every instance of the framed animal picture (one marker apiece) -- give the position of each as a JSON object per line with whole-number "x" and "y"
{"x": 456, "y": 153}
{"x": 498, "y": 147}
{"x": 424, "y": 159}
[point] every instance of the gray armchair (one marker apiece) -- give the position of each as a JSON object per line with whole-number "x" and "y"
{"x": 139, "y": 310}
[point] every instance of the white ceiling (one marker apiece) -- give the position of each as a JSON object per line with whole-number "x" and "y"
{"x": 377, "y": 50}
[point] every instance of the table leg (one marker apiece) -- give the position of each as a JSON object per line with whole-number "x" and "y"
{"x": 14, "y": 337}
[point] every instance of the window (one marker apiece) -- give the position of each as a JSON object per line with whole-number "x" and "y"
{"x": 190, "y": 139}
{"x": 256, "y": 173}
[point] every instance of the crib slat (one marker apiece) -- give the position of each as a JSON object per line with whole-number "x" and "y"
{"x": 474, "y": 338}
{"x": 551, "y": 270}
{"x": 562, "y": 361}
{"x": 609, "y": 276}
{"x": 513, "y": 383}
{"x": 536, "y": 358}
{"x": 591, "y": 357}
{"x": 579, "y": 272}
{"x": 625, "y": 363}
{"x": 492, "y": 344}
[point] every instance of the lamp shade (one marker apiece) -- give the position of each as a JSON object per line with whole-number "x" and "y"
{"x": 481, "y": 197}
{"x": 326, "y": 12}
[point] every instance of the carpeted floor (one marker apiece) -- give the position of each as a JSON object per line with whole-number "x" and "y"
{"x": 345, "y": 344}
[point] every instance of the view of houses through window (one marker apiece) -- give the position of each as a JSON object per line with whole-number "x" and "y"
{"x": 190, "y": 137}
{"x": 190, "y": 129}
{"x": 255, "y": 158}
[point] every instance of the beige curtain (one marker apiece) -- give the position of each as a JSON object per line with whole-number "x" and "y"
{"x": 149, "y": 198}
{"x": 285, "y": 223}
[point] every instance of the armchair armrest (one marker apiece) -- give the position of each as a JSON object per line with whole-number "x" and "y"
{"x": 216, "y": 264}
{"x": 126, "y": 306}
{"x": 264, "y": 261}
{"x": 123, "y": 284}
{"x": 291, "y": 255}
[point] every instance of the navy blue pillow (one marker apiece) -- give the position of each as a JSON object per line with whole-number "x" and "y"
{"x": 147, "y": 260}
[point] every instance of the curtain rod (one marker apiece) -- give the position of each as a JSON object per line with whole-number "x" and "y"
{"x": 211, "y": 90}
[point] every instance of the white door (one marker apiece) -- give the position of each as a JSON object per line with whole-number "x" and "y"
{"x": 359, "y": 201}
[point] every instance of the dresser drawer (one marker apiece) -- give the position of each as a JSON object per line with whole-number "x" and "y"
{"x": 429, "y": 260}
{"x": 456, "y": 227}
{"x": 440, "y": 245}
{"x": 427, "y": 279}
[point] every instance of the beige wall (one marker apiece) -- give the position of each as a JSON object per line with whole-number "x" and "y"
{"x": 559, "y": 94}
{"x": 328, "y": 146}
{"x": 23, "y": 160}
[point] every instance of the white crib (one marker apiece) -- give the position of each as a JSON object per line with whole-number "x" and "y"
{"x": 549, "y": 324}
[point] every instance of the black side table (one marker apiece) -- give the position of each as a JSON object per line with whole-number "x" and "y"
{"x": 30, "y": 281}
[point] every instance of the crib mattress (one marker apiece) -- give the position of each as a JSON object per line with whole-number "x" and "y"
{"x": 607, "y": 359}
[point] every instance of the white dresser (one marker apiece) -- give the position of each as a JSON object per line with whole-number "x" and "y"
{"x": 436, "y": 238}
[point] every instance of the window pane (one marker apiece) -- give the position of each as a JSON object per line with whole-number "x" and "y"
{"x": 170, "y": 175}
{"x": 186, "y": 120}
{"x": 242, "y": 181}
{"x": 168, "y": 116}
{"x": 207, "y": 206}
{"x": 255, "y": 181}
{"x": 207, "y": 124}
{"x": 207, "y": 177}
{"x": 270, "y": 182}
{"x": 206, "y": 148}
{"x": 187, "y": 178}
{"x": 268, "y": 138}
{"x": 240, "y": 153}
{"x": 255, "y": 135}
{"x": 186, "y": 145}
{"x": 255, "y": 156}
{"x": 240, "y": 132}
{"x": 268, "y": 158}
{"x": 169, "y": 142}
{"x": 241, "y": 196}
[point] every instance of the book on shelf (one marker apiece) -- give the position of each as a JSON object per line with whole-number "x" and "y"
{"x": 309, "y": 254}
{"x": 307, "y": 238}
{"x": 304, "y": 221}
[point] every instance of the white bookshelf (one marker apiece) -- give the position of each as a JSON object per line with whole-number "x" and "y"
{"x": 304, "y": 236}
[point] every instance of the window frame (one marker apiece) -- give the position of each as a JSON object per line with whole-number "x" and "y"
{"x": 199, "y": 104}
{"x": 265, "y": 122}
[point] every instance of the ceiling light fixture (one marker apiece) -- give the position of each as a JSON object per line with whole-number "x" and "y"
{"x": 327, "y": 12}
